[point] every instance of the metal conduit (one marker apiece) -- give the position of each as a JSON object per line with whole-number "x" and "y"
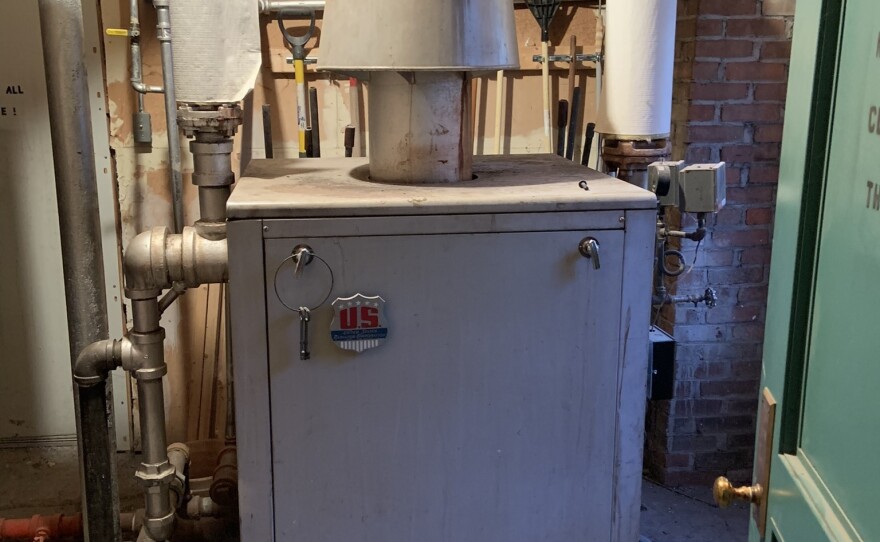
{"x": 77, "y": 193}
{"x": 163, "y": 31}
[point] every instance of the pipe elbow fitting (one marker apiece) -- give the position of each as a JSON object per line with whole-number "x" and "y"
{"x": 95, "y": 362}
{"x": 145, "y": 264}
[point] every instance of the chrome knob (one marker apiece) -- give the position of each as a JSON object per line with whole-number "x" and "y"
{"x": 725, "y": 493}
{"x": 589, "y": 248}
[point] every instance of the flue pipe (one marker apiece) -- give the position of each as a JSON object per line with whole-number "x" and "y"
{"x": 82, "y": 259}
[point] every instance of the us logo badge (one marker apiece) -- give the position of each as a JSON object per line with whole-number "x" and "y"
{"x": 358, "y": 322}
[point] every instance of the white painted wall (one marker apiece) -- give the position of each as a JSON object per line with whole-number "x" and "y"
{"x": 36, "y": 400}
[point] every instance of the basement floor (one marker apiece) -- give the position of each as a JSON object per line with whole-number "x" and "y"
{"x": 45, "y": 481}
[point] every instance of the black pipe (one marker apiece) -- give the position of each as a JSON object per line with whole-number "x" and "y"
{"x": 267, "y": 130}
{"x": 572, "y": 122}
{"x": 349, "y": 140}
{"x": 316, "y": 122}
{"x": 588, "y": 143}
{"x": 561, "y": 119}
{"x": 81, "y": 251}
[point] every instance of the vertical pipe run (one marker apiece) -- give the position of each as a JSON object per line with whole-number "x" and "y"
{"x": 163, "y": 31}
{"x": 77, "y": 193}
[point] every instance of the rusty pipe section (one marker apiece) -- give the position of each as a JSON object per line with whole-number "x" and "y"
{"x": 55, "y": 527}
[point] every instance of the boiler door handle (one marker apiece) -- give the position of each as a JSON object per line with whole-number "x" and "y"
{"x": 589, "y": 248}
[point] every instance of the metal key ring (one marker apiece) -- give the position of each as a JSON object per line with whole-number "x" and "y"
{"x": 291, "y": 257}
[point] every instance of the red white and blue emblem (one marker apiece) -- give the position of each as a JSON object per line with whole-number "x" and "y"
{"x": 359, "y": 322}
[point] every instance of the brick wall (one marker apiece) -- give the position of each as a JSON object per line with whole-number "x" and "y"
{"x": 730, "y": 81}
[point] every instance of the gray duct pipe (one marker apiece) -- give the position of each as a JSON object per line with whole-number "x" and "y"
{"x": 77, "y": 193}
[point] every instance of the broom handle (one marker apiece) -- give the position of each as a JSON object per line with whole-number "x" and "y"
{"x": 499, "y": 108}
{"x": 545, "y": 79}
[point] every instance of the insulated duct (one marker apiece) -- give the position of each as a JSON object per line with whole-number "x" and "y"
{"x": 636, "y": 102}
{"x": 217, "y": 52}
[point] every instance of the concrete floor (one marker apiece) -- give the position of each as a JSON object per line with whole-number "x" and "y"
{"x": 45, "y": 480}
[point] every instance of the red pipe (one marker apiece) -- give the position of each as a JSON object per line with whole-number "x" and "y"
{"x": 42, "y": 528}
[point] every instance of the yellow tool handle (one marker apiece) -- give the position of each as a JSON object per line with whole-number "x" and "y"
{"x": 118, "y": 32}
{"x": 299, "y": 68}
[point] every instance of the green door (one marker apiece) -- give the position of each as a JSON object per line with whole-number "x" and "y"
{"x": 822, "y": 347}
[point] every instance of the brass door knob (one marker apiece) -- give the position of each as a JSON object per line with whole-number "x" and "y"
{"x": 725, "y": 493}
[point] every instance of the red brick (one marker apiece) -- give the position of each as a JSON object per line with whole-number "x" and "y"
{"x": 688, "y": 8}
{"x": 694, "y": 443}
{"x": 733, "y": 315}
{"x": 709, "y": 27}
{"x": 735, "y": 275}
{"x": 708, "y": 371}
{"x": 713, "y": 258}
{"x": 756, "y": 256}
{"x": 778, "y": 7}
{"x": 768, "y": 133}
{"x": 701, "y": 113}
{"x": 776, "y": 50}
{"x": 724, "y": 423}
{"x": 728, "y": 389}
{"x": 752, "y": 294}
{"x": 751, "y": 112}
{"x": 706, "y": 71}
{"x": 755, "y": 194}
{"x": 749, "y": 331}
{"x": 686, "y": 28}
{"x": 728, "y": 7}
{"x": 720, "y": 91}
{"x": 763, "y": 174}
{"x": 698, "y": 154}
{"x": 757, "y": 152}
{"x": 697, "y": 407}
{"x": 757, "y": 26}
{"x": 754, "y": 71}
{"x": 716, "y": 461}
{"x": 685, "y": 51}
{"x": 747, "y": 369}
{"x": 741, "y": 406}
{"x": 759, "y": 216}
{"x": 770, "y": 92}
{"x": 729, "y": 216}
{"x": 715, "y": 134}
{"x": 744, "y": 238}
{"x": 724, "y": 49}
{"x": 683, "y": 71}
{"x": 724, "y": 351}
{"x": 700, "y": 333}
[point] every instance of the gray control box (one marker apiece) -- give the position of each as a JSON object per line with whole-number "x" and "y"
{"x": 663, "y": 181}
{"x": 702, "y": 188}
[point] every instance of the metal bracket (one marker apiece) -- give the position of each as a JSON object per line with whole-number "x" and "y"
{"x": 595, "y": 57}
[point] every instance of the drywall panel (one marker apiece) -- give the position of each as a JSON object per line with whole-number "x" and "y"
{"x": 36, "y": 400}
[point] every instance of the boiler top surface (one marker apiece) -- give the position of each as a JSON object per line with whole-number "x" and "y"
{"x": 323, "y": 187}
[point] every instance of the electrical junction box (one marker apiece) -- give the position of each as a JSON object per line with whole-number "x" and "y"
{"x": 663, "y": 181}
{"x": 703, "y": 188}
{"x": 472, "y": 375}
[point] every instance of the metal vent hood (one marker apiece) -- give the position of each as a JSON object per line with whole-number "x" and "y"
{"x": 414, "y": 58}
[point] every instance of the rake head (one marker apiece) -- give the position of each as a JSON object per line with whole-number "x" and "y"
{"x": 544, "y": 10}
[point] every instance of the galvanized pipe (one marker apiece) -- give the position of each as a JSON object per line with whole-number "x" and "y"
{"x": 137, "y": 78}
{"x": 82, "y": 259}
{"x": 272, "y": 6}
{"x": 147, "y": 365}
{"x": 163, "y": 32}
